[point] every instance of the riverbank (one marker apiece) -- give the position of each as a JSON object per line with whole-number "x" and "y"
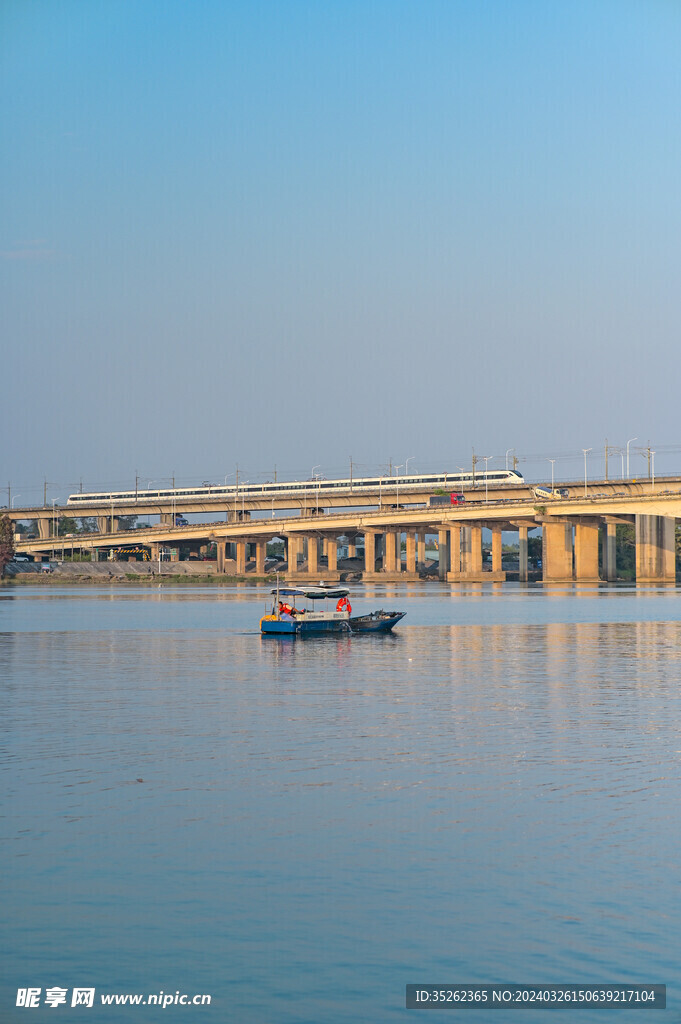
{"x": 199, "y": 574}
{"x": 56, "y": 579}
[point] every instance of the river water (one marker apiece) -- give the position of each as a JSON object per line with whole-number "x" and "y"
{"x": 301, "y": 828}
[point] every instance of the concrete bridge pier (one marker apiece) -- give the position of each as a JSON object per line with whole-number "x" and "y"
{"x": 220, "y": 547}
{"x": 332, "y": 554}
{"x": 318, "y": 546}
{"x": 454, "y": 574}
{"x": 557, "y": 552}
{"x": 44, "y": 529}
{"x": 352, "y": 545}
{"x": 241, "y": 556}
{"x": 586, "y": 551}
{"x": 522, "y": 554}
{"x": 465, "y": 549}
{"x": 381, "y": 548}
{"x": 389, "y": 556}
{"x": 610, "y": 551}
{"x": 405, "y": 569}
{"x": 313, "y": 556}
{"x": 496, "y": 549}
{"x": 655, "y": 549}
{"x": 398, "y": 551}
{"x": 411, "y": 551}
{"x": 471, "y": 553}
{"x": 260, "y": 555}
{"x": 443, "y": 552}
{"x": 111, "y": 524}
{"x": 369, "y": 553}
{"x": 421, "y": 551}
{"x": 293, "y": 550}
{"x": 475, "y": 565}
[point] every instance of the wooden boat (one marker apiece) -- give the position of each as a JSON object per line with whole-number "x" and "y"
{"x": 375, "y": 622}
{"x": 287, "y": 620}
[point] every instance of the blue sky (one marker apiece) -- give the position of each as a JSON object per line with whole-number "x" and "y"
{"x": 290, "y": 233}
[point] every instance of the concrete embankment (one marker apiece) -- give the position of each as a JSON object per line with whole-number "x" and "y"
{"x": 118, "y": 572}
{"x": 351, "y": 571}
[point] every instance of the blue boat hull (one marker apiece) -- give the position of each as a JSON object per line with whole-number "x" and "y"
{"x": 278, "y": 627}
{"x": 281, "y": 627}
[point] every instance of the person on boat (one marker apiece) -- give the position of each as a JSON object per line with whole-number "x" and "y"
{"x": 286, "y": 612}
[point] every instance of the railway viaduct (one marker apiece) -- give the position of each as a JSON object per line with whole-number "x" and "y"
{"x": 571, "y": 532}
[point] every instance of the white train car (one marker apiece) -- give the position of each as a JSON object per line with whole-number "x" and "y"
{"x": 298, "y": 488}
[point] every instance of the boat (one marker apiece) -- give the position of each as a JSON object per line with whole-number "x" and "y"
{"x": 287, "y": 620}
{"x": 375, "y": 622}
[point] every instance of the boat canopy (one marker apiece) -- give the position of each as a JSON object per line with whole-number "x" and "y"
{"x": 314, "y": 593}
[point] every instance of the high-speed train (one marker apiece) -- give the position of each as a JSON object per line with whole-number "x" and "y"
{"x": 300, "y": 488}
